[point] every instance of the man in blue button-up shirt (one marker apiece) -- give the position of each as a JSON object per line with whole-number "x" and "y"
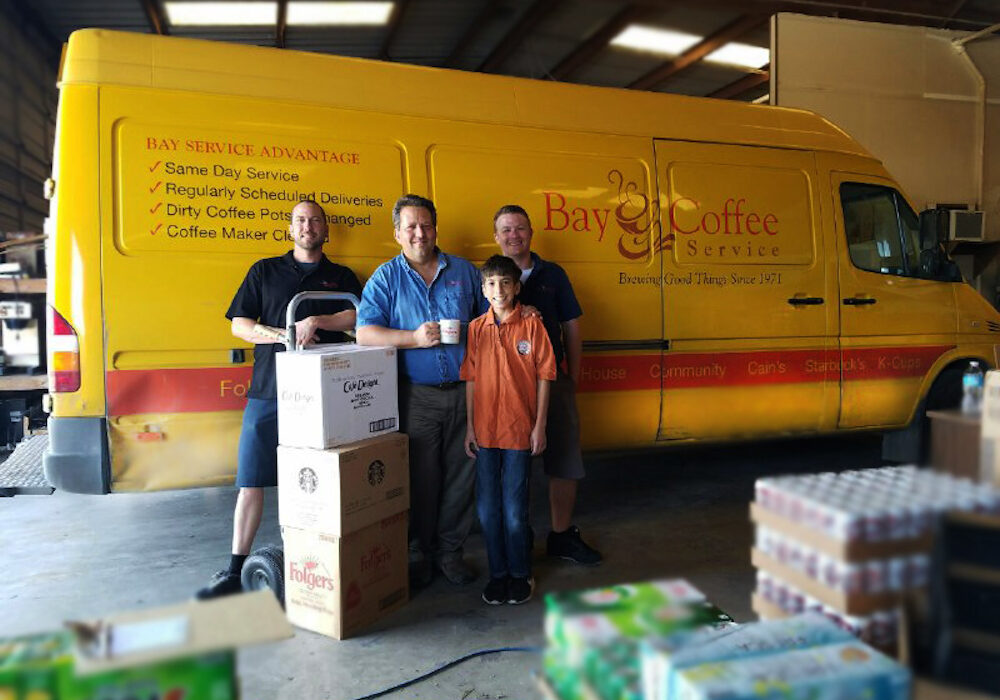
{"x": 401, "y": 305}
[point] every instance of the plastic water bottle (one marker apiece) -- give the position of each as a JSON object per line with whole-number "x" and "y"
{"x": 972, "y": 389}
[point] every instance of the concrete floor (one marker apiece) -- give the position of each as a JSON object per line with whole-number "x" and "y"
{"x": 679, "y": 513}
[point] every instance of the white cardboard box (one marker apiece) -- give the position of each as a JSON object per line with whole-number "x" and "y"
{"x": 338, "y": 585}
{"x": 343, "y": 489}
{"x": 336, "y": 394}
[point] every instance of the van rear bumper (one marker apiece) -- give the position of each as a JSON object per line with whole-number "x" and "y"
{"x": 77, "y": 459}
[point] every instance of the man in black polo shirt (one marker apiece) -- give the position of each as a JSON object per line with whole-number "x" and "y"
{"x": 545, "y": 286}
{"x": 257, "y": 314}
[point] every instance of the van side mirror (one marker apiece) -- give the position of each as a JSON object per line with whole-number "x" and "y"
{"x": 933, "y": 228}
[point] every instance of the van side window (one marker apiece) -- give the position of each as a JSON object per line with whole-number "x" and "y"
{"x": 883, "y": 233}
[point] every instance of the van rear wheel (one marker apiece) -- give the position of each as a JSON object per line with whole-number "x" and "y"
{"x": 265, "y": 569}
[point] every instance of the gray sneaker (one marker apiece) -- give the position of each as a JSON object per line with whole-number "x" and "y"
{"x": 457, "y": 571}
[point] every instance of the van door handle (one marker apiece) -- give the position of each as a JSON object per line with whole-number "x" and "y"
{"x": 805, "y": 301}
{"x": 858, "y": 301}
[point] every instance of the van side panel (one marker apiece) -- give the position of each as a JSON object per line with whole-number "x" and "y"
{"x": 588, "y": 197}
{"x": 77, "y": 459}
{"x": 750, "y": 304}
{"x": 196, "y": 199}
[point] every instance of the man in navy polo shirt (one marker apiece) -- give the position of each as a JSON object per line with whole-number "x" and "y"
{"x": 403, "y": 302}
{"x": 257, "y": 315}
{"x": 545, "y": 286}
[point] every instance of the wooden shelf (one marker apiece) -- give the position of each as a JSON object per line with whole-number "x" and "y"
{"x": 23, "y": 382}
{"x": 34, "y": 285}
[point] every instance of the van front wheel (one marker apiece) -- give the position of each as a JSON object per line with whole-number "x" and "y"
{"x": 912, "y": 443}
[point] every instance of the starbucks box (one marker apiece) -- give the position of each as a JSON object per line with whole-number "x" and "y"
{"x": 343, "y": 489}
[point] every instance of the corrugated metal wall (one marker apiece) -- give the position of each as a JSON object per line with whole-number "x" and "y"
{"x": 27, "y": 125}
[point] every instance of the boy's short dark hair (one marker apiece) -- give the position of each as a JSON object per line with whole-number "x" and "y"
{"x": 500, "y": 265}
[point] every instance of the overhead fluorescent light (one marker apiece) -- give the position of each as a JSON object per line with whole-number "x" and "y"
{"x": 217, "y": 14}
{"x": 655, "y": 40}
{"x": 736, "y": 54}
{"x": 342, "y": 13}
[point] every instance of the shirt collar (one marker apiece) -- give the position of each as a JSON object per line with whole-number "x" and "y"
{"x": 512, "y": 317}
{"x": 289, "y": 258}
{"x": 443, "y": 261}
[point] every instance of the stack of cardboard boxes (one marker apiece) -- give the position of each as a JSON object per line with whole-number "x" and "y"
{"x": 343, "y": 487}
{"x": 852, "y": 545}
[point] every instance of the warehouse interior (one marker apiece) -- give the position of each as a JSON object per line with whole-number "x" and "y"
{"x": 907, "y": 88}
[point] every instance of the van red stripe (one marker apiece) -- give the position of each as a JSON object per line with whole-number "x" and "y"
{"x": 714, "y": 369}
{"x": 224, "y": 388}
{"x": 132, "y": 391}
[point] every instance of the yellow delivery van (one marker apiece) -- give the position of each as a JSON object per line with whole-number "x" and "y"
{"x": 745, "y": 271}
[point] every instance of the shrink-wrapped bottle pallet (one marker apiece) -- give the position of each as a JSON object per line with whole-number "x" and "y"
{"x": 853, "y": 545}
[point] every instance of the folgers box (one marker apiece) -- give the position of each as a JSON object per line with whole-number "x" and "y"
{"x": 344, "y": 489}
{"x": 182, "y": 652}
{"x": 336, "y": 394}
{"x": 338, "y": 585}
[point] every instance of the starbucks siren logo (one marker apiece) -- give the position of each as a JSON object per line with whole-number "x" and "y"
{"x": 376, "y": 472}
{"x": 308, "y": 481}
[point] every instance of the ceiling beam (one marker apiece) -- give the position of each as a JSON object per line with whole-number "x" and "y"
{"x": 745, "y": 84}
{"x": 485, "y": 14}
{"x": 955, "y": 8}
{"x": 911, "y": 12}
{"x": 155, "y": 17}
{"x": 395, "y": 22}
{"x": 282, "y": 25}
{"x": 598, "y": 41}
{"x": 29, "y": 21}
{"x": 508, "y": 45}
{"x": 730, "y": 32}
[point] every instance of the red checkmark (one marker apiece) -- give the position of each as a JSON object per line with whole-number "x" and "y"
{"x": 153, "y": 210}
{"x": 156, "y": 186}
{"x": 153, "y": 232}
{"x": 155, "y": 165}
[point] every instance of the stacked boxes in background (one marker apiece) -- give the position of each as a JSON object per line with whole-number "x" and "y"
{"x": 852, "y": 545}
{"x": 343, "y": 495}
{"x": 592, "y": 636}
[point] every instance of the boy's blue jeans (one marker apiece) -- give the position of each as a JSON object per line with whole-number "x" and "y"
{"x": 502, "y": 478}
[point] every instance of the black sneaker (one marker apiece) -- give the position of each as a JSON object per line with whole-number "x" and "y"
{"x": 223, "y": 583}
{"x": 569, "y": 545}
{"x": 496, "y": 591}
{"x": 421, "y": 573}
{"x": 519, "y": 590}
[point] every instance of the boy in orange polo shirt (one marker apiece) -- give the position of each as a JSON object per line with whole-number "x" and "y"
{"x": 507, "y": 369}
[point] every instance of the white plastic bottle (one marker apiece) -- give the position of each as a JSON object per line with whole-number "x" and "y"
{"x": 972, "y": 389}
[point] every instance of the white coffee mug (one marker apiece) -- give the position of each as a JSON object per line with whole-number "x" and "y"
{"x": 451, "y": 330}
